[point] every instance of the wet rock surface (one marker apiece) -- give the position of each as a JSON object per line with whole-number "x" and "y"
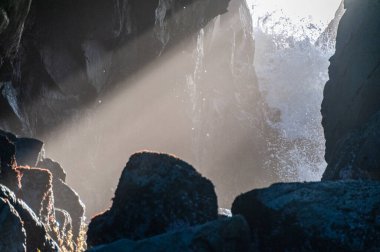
{"x": 156, "y": 193}
{"x": 227, "y": 235}
{"x": 351, "y": 96}
{"x": 318, "y": 216}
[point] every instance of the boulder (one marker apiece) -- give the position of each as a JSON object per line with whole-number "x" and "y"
{"x": 54, "y": 167}
{"x": 28, "y": 151}
{"x": 37, "y": 238}
{"x": 65, "y": 198}
{"x": 227, "y": 235}
{"x": 12, "y": 233}
{"x": 37, "y": 191}
{"x": 156, "y": 193}
{"x": 318, "y": 216}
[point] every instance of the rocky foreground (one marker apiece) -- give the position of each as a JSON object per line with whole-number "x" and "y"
{"x": 163, "y": 204}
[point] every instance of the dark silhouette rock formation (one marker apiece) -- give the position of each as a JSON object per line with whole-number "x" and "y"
{"x": 37, "y": 237}
{"x": 66, "y": 200}
{"x": 12, "y": 234}
{"x": 44, "y": 191}
{"x": 351, "y": 102}
{"x": 227, "y": 235}
{"x": 320, "y": 216}
{"x": 156, "y": 193}
{"x": 37, "y": 191}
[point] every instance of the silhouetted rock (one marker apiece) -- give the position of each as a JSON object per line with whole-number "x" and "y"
{"x": 33, "y": 185}
{"x": 43, "y": 190}
{"x": 227, "y": 235}
{"x": 351, "y": 96}
{"x": 8, "y": 174}
{"x": 65, "y": 198}
{"x": 156, "y": 193}
{"x": 12, "y": 234}
{"x": 37, "y": 237}
{"x": 319, "y": 216}
{"x": 28, "y": 151}
{"x": 37, "y": 192}
{"x": 54, "y": 167}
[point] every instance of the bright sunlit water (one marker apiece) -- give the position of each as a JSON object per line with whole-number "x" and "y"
{"x": 292, "y": 72}
{"x": 319, "y": 12}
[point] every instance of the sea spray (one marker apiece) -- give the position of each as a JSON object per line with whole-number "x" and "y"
{"x": 292, "y": 71}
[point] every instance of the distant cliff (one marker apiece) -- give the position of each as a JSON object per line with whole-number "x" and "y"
{"x": 351, "y": 104}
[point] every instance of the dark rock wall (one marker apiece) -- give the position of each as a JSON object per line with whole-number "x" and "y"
{"x": 351, "y": 96}
{"x": 61, "y": 55}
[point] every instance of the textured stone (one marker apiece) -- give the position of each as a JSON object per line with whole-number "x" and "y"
{"x": 65, "y": 198}
{"x": 12, "y": 16}
{"x": 12, "y": 233}
{"x": 37, "y": 192}
{"x": 351, "y": 96}
{"x": 318, "y": 216}
{"x": 227, "y": 235}
{"x": 156, "y": 193}
{"x": 357, "y": 155}
{"x": 54, "y": 167}
{"x": 37, "y": 237}
{"x": 68, "y": 52}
